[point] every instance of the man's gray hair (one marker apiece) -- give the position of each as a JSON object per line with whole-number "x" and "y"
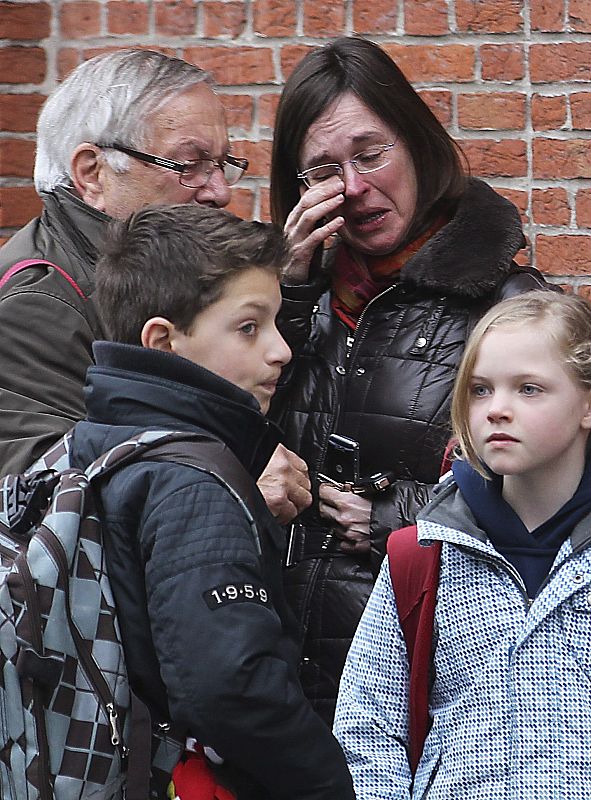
{"x": 107, "y": 99}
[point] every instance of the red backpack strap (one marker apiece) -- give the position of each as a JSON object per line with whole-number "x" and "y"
{"x": 414, "y": 571}
{"x": 35, "y": 262}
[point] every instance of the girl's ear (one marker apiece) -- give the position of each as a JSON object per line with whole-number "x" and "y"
{"x": 158, "y": 334}
{"x": 586, "y": 420}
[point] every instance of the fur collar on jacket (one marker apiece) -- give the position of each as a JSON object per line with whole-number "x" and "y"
{"x": 469, "y": 256}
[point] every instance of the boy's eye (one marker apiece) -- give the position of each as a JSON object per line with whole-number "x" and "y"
{"x": 249, "y": 328}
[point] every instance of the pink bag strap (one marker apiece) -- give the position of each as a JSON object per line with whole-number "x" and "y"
{"x": 34, "y": 262}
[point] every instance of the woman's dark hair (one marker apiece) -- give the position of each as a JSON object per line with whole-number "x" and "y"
{"x": 174, "y": 262}
{"x": 351, "y": 64}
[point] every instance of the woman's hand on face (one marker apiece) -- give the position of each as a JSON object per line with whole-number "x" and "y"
{"x": 303, "y": 228}
{"x": 350, "y": 513}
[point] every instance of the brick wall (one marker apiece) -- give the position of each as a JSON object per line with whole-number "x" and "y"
{"x": 511, "y": 80}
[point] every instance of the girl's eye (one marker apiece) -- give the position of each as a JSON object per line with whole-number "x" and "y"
{"x": 529, "y": 389}
{"x": 478, "y": 390}
{"x": 249, "y": 328}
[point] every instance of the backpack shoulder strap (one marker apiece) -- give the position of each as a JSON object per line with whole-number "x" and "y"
{"x": 202, "y": 451}
{"x": 34, "y": 262}
{"x": 414, "y": 572}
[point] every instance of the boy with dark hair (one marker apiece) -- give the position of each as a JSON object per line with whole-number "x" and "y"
{"x": 189, "y": 296}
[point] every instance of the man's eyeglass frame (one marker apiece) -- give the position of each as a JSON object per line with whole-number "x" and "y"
{"x": 182, "y": 166}
{"x": 339, "y": 167}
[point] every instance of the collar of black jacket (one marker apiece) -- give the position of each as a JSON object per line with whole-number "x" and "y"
{"x": 470, "y": 254}
{"x": 139, "y": 386}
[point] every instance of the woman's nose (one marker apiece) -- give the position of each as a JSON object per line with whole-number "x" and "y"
{"x": 355, "y": 182}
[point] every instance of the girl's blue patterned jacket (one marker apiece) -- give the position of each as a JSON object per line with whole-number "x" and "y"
{"x": 511, "y": 682}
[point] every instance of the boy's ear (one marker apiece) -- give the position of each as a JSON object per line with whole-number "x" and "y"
{"x": 86, "y": 167}
{"x": 158, "y": 334}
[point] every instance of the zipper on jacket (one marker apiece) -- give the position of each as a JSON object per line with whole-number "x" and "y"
{"x": 89, "y": 665}
{"x": 506, "y": 565}
{"x": 351, "y": 338}
{"x": 45, "y": 788}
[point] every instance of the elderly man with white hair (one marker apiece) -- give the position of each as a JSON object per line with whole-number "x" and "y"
{"x": 123, "y": 130}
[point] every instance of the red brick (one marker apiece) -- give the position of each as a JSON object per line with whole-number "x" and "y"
{"x": 68, "y": 59}
{"x": 258, "y": 155}
{"x": 80, "y": 19}
{"x": 241, "y": 203}
{"x": 426, "y": 17}
{"x": 268, "y": 109}
{"x": 234, "y": 65}
{"x": 583, "y": 208}
{"x": 25, "y": 21}
{"x": 580, "y": 106}
{"x": 91, "y": 52}
{"x": 557, "y": 158}
{"x": 275, "y": 17}
{"x": 579, "y": 16}
{"x": 375, "y": 16}
{"x": 567, "y": 61}
{"x": 500, "y": 16}
{"x": 547, "y": 15}
{"x": 439, "y": 101}
{"x": 19, "y": 112}
{"x": 324, "y": 19}
{"x": 548, "y": 112}
{"x": 265, "y": 205}
{"x": 450, "y": 62}
{"x": 226, "y": 20}
{"x": 563, "y": 255}
{"x": 18, "y": 204}
{"x": 491, "y": 111}
{"x": 17, "y": 157}
{"x": 175, "y": 17}
{"x": 492, "y": 159}
{"x": 550, "y": 206}
{"x": 584, "y": 291}
{"x": 291, "y": 55}
{"x": 524, "y": 257}
{"x": 519, "y": 198}
{"x": 126, "y": 16}
{"x": 23, "y": 64}
{"x": 239, "y": 110}
{"x": 502, "y": 62}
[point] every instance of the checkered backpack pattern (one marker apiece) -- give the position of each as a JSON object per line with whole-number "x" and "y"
{"x": 65, "y": 719}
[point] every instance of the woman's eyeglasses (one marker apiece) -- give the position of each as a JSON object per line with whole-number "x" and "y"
{"x": 368, "y": 160}
{"x": 193, "y": 174}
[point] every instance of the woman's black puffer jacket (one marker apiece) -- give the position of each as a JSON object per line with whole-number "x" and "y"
{"x": 388, "y": 386}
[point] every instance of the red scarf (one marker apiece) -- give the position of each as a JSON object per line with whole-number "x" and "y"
{"x": 357, "y": 279}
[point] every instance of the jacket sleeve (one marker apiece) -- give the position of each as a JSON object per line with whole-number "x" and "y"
{"x": 228, "y": 667}
{"x": 45, "y": 349}
{"x": 371, "y": 720}
{"x": 392, "y": 509}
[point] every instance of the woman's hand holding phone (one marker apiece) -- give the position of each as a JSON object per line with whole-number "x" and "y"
{"x": 350, "y": 514}
{"x": 306, "y": 228}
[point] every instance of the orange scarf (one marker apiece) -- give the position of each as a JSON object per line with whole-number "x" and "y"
{"x": 357, "y": 279}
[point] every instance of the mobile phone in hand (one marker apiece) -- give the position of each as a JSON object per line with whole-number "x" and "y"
{"x": 341, "y": 462}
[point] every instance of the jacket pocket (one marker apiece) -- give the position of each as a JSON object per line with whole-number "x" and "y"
{"x": 576, "y": 628}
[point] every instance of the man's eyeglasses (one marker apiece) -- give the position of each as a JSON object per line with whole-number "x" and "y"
{"x": 369, "y": 160}
{"x": 193, "y": 174}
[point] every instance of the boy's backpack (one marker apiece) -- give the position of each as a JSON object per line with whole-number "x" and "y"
{"x": 67, "y": 727}
{"x": 414, "y": 571}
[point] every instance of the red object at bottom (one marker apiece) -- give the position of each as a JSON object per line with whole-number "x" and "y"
{"x": 194, "y": 779}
